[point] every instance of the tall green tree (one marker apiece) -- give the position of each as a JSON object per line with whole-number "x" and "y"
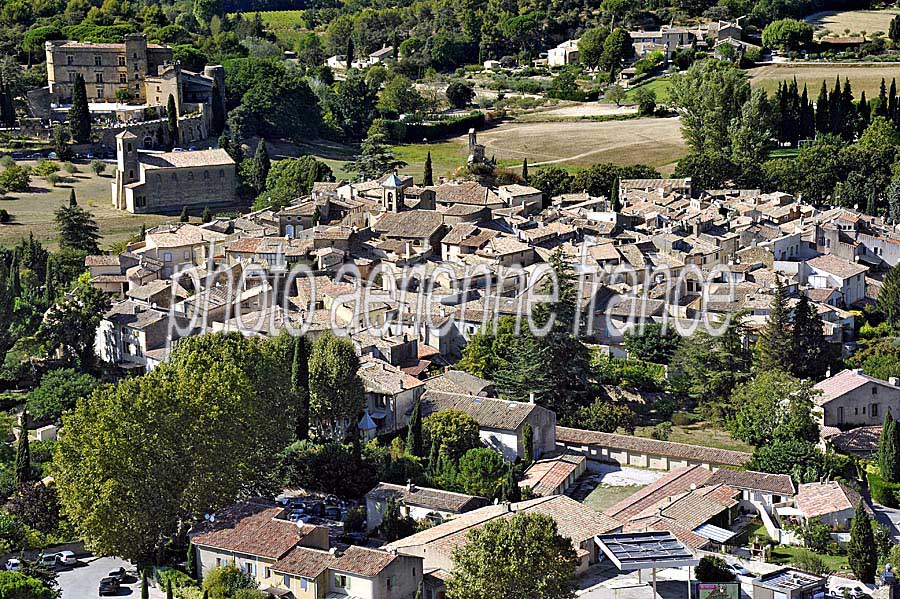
{"x": 888, "y": 455}
{"x": 24, "y": 473}
{"x": 889, "y": 296}
{"x": 773, "y": 405}
{"x": 510, "y": 490}
{"x": 862, "y": 554}
{"x": 337, "y": 395}
{"x": 300, "y": 386}
{"x": 428, "y": 178}
{"x": 145, "y": 587}
{"x": 172, "y": 121}
{"x": 375, "y": 159}
{"x": 259, "y": 168}
{"x": 514, "y": 558}
{"x": 527, "y": 445}
{"x": 79, "y": 115}
{"x": 77, "y": 228}
{"x": 212, "y": 420}
{"x": 774, "y": 348}
{"x": 810, "y": 352}
{"x": 415, "y": 444}
{"x": 525, "y": 170}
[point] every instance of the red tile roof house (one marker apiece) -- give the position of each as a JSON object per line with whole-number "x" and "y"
{"x": 285, "y": 556}
{"x": 851, "y": 398}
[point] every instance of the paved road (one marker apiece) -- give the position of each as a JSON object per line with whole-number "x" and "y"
{"x": 82, "y": 581}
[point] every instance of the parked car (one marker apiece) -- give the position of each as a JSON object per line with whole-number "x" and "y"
{"x": 52, "y": 156}
{"x": 35, "y": 156}
{"x": 47, "y": 560}
{"x": 193, "y": 148}
{"x": 738, "y": 570}
{"x": 118, "y": 574}
{"x": 18, "y": 155}
{"x": 333, "y": 512}
{"x": 109, "y": 586}
{"x": 13, "y": 565}
{"x": 66, "y": 558}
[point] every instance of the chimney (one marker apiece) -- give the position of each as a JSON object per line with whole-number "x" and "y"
{"x": 894, "y": 381}
{"x": 531, "y": 397}
{"x": 410, "y": 487}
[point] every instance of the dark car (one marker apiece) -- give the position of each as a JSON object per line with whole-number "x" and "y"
{"x": 118, "y": 574}
{"x": 109, "y": 586}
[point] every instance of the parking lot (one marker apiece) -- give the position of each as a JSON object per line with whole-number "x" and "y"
{"x": 82, "y": 581}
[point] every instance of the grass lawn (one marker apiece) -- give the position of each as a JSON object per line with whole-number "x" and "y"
{"x": 32, "y": 211}
{"x": 606, "y": 496}
{"x": 660, "y": 85}
{"x": 784, "y": 153}
{"x": 446, "y": 157}
{"x": 785, "y": 554}
{"x": 700, "y": 433}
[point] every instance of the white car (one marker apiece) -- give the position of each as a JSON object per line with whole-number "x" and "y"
{"x": 66, "y": 558}
{"x": 13, "y": 565}
{"x": 738, "y": 570}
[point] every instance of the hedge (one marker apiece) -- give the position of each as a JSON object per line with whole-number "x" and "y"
{"x": 883, "y": 492}
{"x": 415, "y": 132}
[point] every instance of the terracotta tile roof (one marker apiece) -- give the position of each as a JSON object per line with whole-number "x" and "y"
{"x": 245, "y": 245}
{"x": 488, "y": 413}
{"x": 689, "y": 509}
{"x": 101, "y": 260}
{"x": 836, "y": 266}
{"x": 676, "y": 481}
{"x": 779, "y": 484}
{"x": 251, "y": 528}
{"x": 363, "y": 561}
{"x": 574, "y": 521}
{"x": 194, "y": 158}
{"x": 820, "y": 499}
{"x": 305, "y": 562}
{"x": 844, "y": 382}
{"x": 411, "y": 224}
{"x": 465, "y": 192}
{"x": 545, "y": 476}
{"x": 697, "y": 453}
{"x": 460, "y": 382}
{"x": 862, "y": 440}
{"x": 435, "y": 499}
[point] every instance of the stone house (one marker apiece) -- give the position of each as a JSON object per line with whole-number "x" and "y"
{"x": 501, "y": 423}
{"x": 178, "y": 246}
{"x": 831, "y": 272}
{"x": 852, "y": 398}
{"x": 167, "y": 182}
{"x": 564, "y": 54}
{"x": 418, "y": 503}
{"x": 390, "y": 394}
{"x": 833, "y": 503}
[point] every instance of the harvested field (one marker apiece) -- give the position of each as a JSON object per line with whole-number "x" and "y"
{"x": 865, "y": 76}
{"x": 855, "y": 21}
{"x": 652, "y": 141}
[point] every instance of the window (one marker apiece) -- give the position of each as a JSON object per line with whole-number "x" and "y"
{"x": 856, "y": 411}
{"x": 100, "y": 93}
{"x": 71, "y": 76}
{"x": 304, "y": 584}
{"x": 190, "y": 176}
{"x": 187, "y": 256}
{"x": 205, "y": 175}
{"x": 98, "y": 61}
{"x": 98, "y": 77}
{"x": 123, "y": 78}
{"x": 874, "y": 390}
{"x": 341, "y": 581}
{"x": 268, "y": 573}
{"x": 70, "y": 60}
{"x": 218, "y": 562}
{"x": 121, "y": 61}
{"x": 134, "y": 56}
{"x": 221, "y": 173}
{"x": 873, "y": 410}
{"x": 167, "y": 257}
{"x": 286, "y": 581}
{"x": 137, "y": 76}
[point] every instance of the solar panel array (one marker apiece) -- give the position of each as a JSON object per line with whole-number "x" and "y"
{"x": 645, "y": 546}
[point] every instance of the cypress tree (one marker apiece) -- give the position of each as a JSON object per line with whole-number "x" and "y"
{"x": 143, "y": 233}
{"x": 169, "y": 589}
{"x": 862, "y": 555}
{"x": 145, "y": 588}
{"x": 172, "y": 121}
{"x": 525, "y": 170}
{"x": 882, "y": 108}
{"x": 810, "y": 348}
{"x": 73, "y": 201}
{"x": 49, "y": 290}
{"x": 428, "y": 179}
{"x": 13, "y": 282}
{"x": 615, "y": 203}
{"x": 510, "y": 490}
{"x": 23, "y": 454}
{"x": 207, "y": 215}
{"x": 823, "y": 119}
{"x": 218, "y": 110}
{"x": 889, "y": 296}
{"x": 834, "y": 108}
{"x": 864, "y": 110}
{"x": 260, "y": 167}
{"x": 887, "y": 449}
{"x": 414, "y": 434}
{"x": 185, "y": 217}
{"x": 300, "y": 387}
{"x": 527, "y": 444}
{"x": 892, "y": 101}
{"x": 848, "y": 112}
{"x": 807, "y": 116}
{"x": 349, "y": 52}
{"x": 433, "y": 457}
{"x": 191, "y": 560}
{"x": 79, "y": 115}
{"x": 774, "y": 347}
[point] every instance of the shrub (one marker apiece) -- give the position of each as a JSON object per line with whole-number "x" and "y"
{"x": 355, "y": 521}
{"x": 4, "y": 216}
{"x": 45, "y": 167}
{"x": 7, "y": 161}
{"x": 883, "y": 492}
{"x": 713, "y": 569}
{"x": 683, "y": 418}
{"x": 98, "y": 166}
{"x": 70, "y": 167}
{"x": 53, "y": 179}
{"x": 15, "y": 178}
{"x": 662, "y": 431}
